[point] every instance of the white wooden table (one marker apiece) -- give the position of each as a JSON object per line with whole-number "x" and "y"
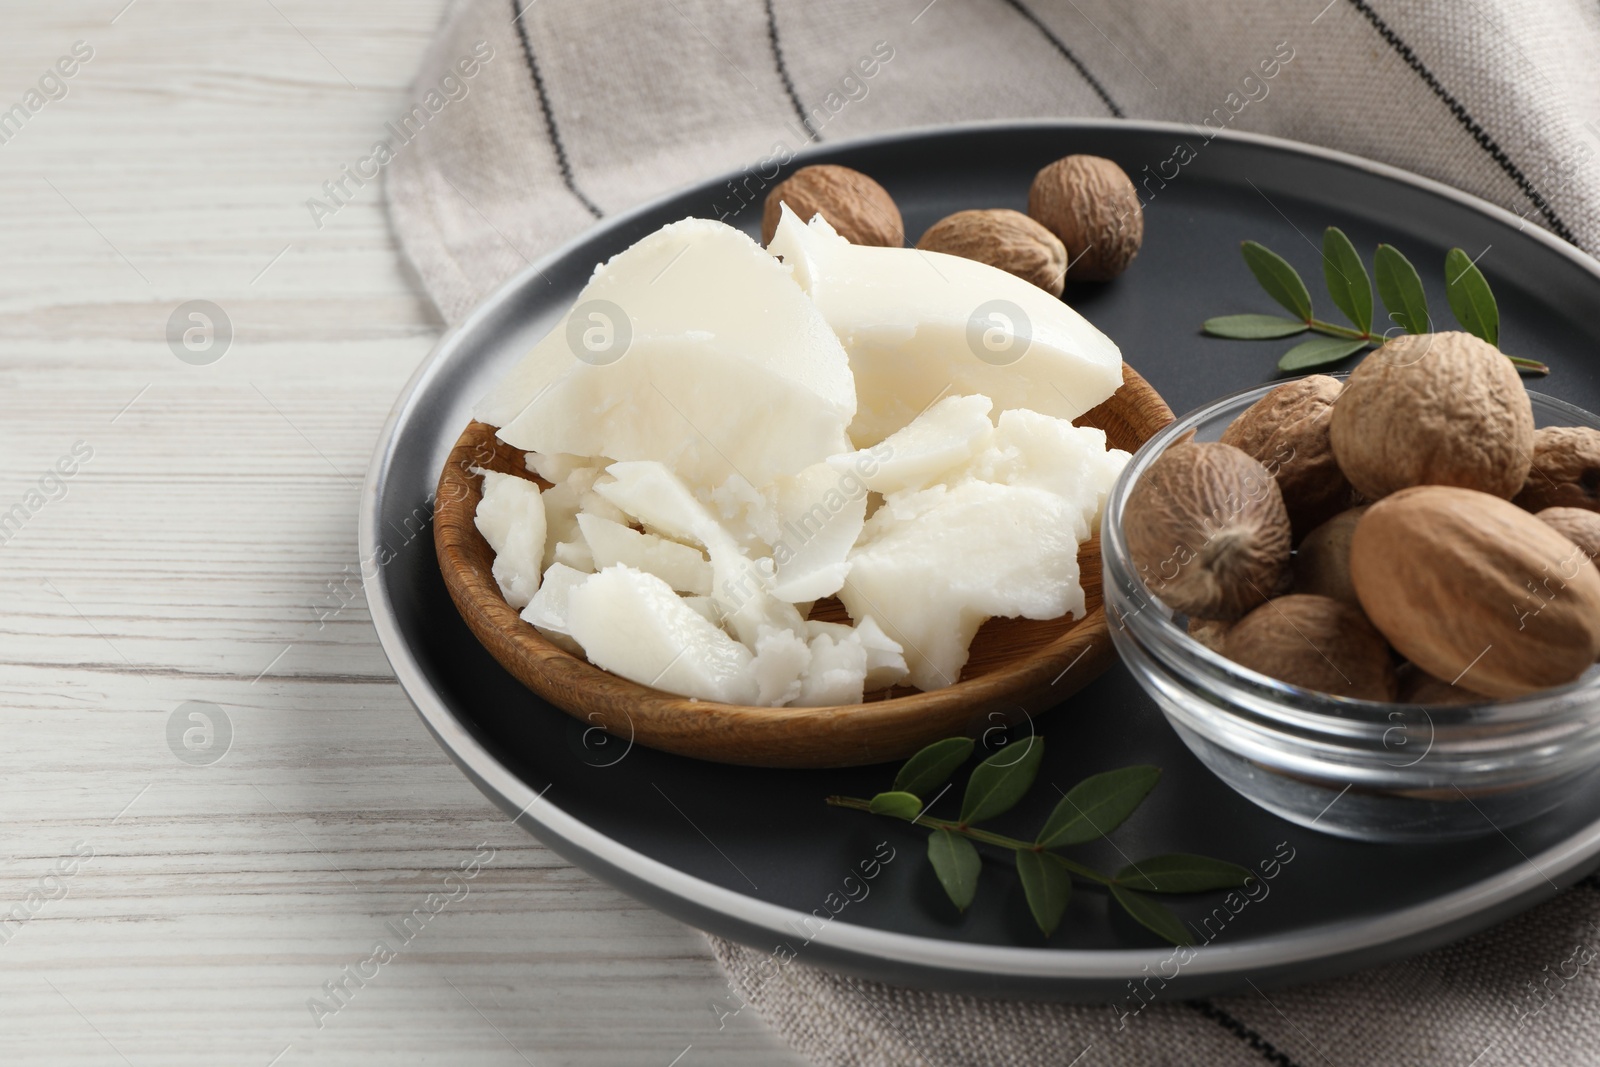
{"x": 157, "y": 911}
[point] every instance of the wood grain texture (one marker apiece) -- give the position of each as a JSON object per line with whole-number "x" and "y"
{"x": 1016, "y": 667}
{"x": 207, "y": 552}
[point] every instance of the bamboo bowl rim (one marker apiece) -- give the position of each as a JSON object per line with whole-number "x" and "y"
{"x": 874, "y": 731}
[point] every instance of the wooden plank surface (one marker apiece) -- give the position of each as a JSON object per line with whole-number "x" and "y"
{"x": 189, "y": 913}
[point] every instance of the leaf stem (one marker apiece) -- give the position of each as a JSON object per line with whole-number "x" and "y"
{"x": 997, "y": 840}
{"x": 1333, "y": 329}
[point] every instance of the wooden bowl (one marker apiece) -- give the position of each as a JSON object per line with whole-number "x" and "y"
{"x": 1017, "y": 667}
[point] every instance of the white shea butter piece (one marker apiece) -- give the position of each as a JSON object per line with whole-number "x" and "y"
{"x": 680, "y": 566}
{"x": 705, "y": 607}
{"x": 837, "y": 673}
{"x": 936, "y": 443}
{"x": 1052, "y": 454}
{"x": 781, "y": 658}
{"x": 557, "y": 467}
{"x": 835, "y": 630}
{"x": 574, "y": 554}
{"x": 933, "y": 565}
{"x": 547, "y": 611}
{"x": 886, "y": 661}
{"x": 511, "y": 518}
{"x": 920, "y": 324}
{"x": 633, "y": 624}
{"x": 692, "y": 347}
{"x": 883, "y": 665}
{"x": 820, "y": 514}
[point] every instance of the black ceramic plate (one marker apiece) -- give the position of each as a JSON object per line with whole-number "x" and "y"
{"x": 749, "y": 853}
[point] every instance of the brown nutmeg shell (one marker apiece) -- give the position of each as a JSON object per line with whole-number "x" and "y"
{"x": 1565, "y": 472}
{"x": 1287, "y": 431}
{"x": 860, "y": 209}
{"x": 1578, "y": 525}
{"x": 1002, "y": 238}
{"x": 1091, "y": 204}
{"x": 1472, "y": 588}
{"x": 1317, "y": 643}
{"x": 1434, "y": 409}
{"x": 1206, "y": 528}
{"x": 1322, "y": 560}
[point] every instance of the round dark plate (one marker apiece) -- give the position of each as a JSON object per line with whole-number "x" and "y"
{"x": 750, "y": 854}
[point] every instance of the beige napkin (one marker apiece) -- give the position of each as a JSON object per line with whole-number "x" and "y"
{"x": 532, "y": 120}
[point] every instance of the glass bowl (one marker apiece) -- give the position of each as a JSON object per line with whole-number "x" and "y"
{"x": 1355, "y": 768}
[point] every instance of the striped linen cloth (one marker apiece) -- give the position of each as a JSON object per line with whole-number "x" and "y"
{"x": 535, "y": 119}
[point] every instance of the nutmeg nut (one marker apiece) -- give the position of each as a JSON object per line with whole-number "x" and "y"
{"x": 1206, "y": 527}
{"x": 1434, "y": 409}
{"x": 1287, "y": 431}
{"x": 1322, "y": 560}
{"x": 1091, "y": 204}
{"x": 860, "y": 209}
{"x": 1578, "y": 525}
{"x": 1002, "y": 238}
{"x": 1565, "y": 472}
{"x": 1472, "y": 588}
{"x": 1317, "y": 643}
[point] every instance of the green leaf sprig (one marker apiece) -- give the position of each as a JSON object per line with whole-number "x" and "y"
{"x": 1399, "y": 286}
{"x": 1088, "y": 811}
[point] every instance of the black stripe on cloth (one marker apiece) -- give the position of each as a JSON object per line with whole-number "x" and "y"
{"x": 1470, "y": 124}
{"x": 783, "y": 70}
{"x": 1066, "y": 53}
{"x": 1591, "y": 882}
{"x": 549, "y": 116}
{"x": 1267, "y": 1049}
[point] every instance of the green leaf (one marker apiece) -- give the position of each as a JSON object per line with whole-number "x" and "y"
{"x": 1182, "y": 873}
{"x": 956, "y": 863}
{"x": 1001, "y": 780}
{"x": 900, "y": 805}
{"x": 1347, "y": 279}
{"x": 1097, "y": 805}
{"x": 1471, "y": 300}
{"x": 933, "y": 766}
{"x": 1280, "y": 280}
{"x": 1253, "y": 327}
{"x": 1401, "y": 289}
{"x": 1152, "y": 915}
{"x": 1318, "y": 352}
{"x": 1047, "y": 885}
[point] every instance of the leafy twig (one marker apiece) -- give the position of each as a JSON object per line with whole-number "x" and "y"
{"x": 955, "y": 827}
{"x": 1088, "y": 811}
{"x": 1399, "y": 285}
